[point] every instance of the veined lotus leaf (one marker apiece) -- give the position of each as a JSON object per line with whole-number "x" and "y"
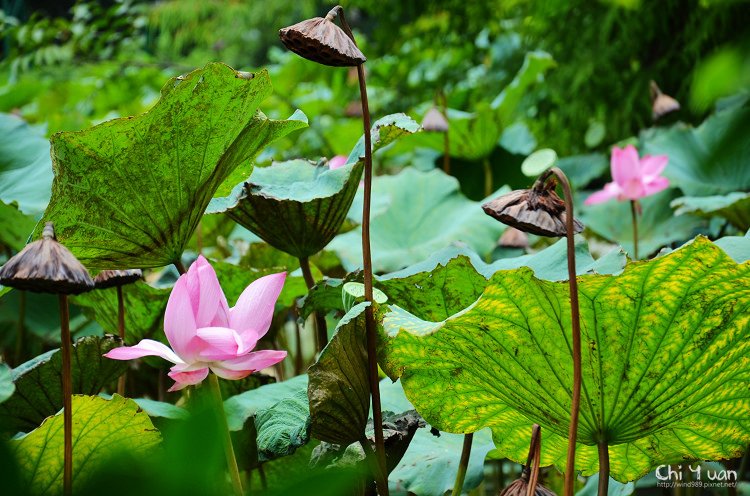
{"x": 338, "y": 390}
{"x": 25, "y": 166}
{"x": 474, "y": 135}
{"x": 734, "y": 207}
{"x": 426, "y": 212}
{"x": 657, "y": 227}
{"x": 283, "y": 427}
{"x": 101, "y": 429}
{"x": 666, "y": 347}
{"x": 6, "y": 383}
{"x": 705, "y": 160}
{"x": 296, "y": 206}
{"x": 15, "y": 226}
{"x": 241, "y": 407}
{"x": 129, "y": 193}
{"x": 38, "y": 387}
{"x": 453, "y": 278}
{"x": 384, "y": 131}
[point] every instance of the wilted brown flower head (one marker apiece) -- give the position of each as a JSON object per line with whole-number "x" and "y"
{"x": 520, "y": 486}
{"x": 537, "y": 211}
{"x": 661, "y": 104}
{"x": 112, "y": 278}
{"x": 46, "y": 266}
{"x": 530, "y": 472}
{"x": 434, "y": 120}
{"x": 319, "y": 39}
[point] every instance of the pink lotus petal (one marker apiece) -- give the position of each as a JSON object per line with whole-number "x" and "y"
{"x": 655, "y": 185}
{"x": 337, "y": 162}
{"x": 653, "y": 165}
{"x": 232, "y": 375}
{"x": 222, "y": 343}
{"x": 205, "y": 291}
{"x": 625, "y": 166}
{"x": 179, "y": 322}
{"x": 610, "y": 192}
{"x": 632, "y": 190}
{"x": 147, "y": 347}
{"x": 254, "y": 308}
{"x": 257, "y": 360}
{"x": 186, "y": 375}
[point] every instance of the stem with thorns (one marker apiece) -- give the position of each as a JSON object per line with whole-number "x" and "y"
{"x": 67, "y": 387}
{"x": 603, "y": 468}
{"x": 121, "y": 332}
{"x": 234, "y": 471}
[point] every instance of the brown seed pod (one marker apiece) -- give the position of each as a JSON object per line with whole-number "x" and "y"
{"x": 530, "y": 472}
{"x": 46, "y": 266}
{"x": 514, "y": 238}
{"x": 661, "y": 104}
{"x": 113, "y": 278}
{"x": 434, "y": 120}
{"x": 537, "y": 211}
{"x": 320, "y": 40}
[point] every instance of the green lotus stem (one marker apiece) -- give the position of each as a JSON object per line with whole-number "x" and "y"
{"x": 603, "y": 468}
{"x": 372, "y": 361}
{"x": 234, "y": 471}
{"x": 488, "y": 180}
{"x": 320, "y": 319}
{"x": 634, "y": 213}
{"x": 463, "y": 464}
{"x": 575, "y": 328}
{"x": 67, "y": 387}
{"x": 121, "y": 333}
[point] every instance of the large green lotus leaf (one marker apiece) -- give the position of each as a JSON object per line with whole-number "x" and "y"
{"x": 582, "y": 169}
{"x": 665, "y": 353}
{"x": 384, "y": 131}
{"x": 704, "y": 161}
{"x": 15, "y": 226}
{"x": 102, "y": 429}
{"x": 657, "y": 227}
{"x": 426, "y": 211}
{"x": 6, "y": 383}
{"x": 296, "y": 206}
{"x": 737, "y": 247}
{"x": 39, "y": 389}
{"x": 339, "y": 390}
{"x": 453, "y": 278}
{"x": 129, "y": 193}
{"x": 474, "y": 135}
{"x": 734, "y": 207}
{"x": 25, "y": 165}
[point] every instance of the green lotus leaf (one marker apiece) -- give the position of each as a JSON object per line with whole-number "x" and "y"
{"x": 426, "y": 211}
{"x": 39, "y": 390}
{"x": 241, "y": 407}
{"x": 473, "y": 136}
{"x": 283, "y": 427}
{"x": 665, "y": 350}
{"x": 582, "y": 169}
{"x": 101, "y": 429}
{"x": 15, "y": 226}
{"x": 25, "y": 166}
{"x": 734, "y": 207}
{"x": 737, "y": 247}
{"x": 453, "y": 278}
{"x": 6, "y": 383}
{"x": 711, "y": 159}
{"x": 384, "y": 131}
{"x": 296, "y": 206}
{"x": 339, "y": 391}
{"x": 657, "y": 227}
{"x": 129, "y": 193}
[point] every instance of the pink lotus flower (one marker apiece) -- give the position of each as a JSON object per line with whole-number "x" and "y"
{"x": 206, "y": 334}
{"x": 633, "y": 178}
{"x": 337, "y": 162}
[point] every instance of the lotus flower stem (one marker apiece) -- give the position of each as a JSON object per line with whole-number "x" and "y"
{"x": 320, "y": 319}
{"x": 634, "y": 213}
{"x": 463, "y": 464}
{"x": 180, "y": 266}
{"x": 575, "y": 324}
{"x": 21, "y": 327}
{"x": 121, "y": 333}
{"x": 234, "y": 471}
{"x": 377, "y": 415}
{"x": 488, "y": 179}
{"x": 67, "y": 387}
{"x": 603, "y": 468}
